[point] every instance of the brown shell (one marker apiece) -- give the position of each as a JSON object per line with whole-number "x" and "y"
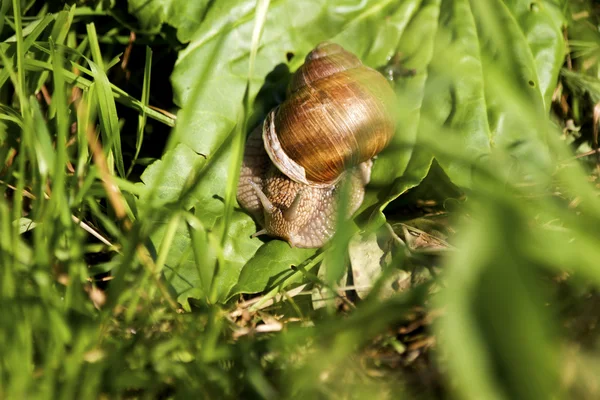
{"x": 338, "y": 114}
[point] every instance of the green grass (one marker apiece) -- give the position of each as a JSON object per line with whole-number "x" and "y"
{"x": 127, "y": 269}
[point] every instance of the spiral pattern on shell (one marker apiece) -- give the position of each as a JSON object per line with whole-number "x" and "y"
{"x": 338, "y": 114}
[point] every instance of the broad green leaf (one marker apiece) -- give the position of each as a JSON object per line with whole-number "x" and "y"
{"x": 365, "y": 259}
{"x": 182, "y": 162}
{"x": 459, "y": 63}
{"x": 403, "y": 164}
{"x": 483, "y": 63}
{"x": 209, "y": 80}
{"x": 270, "y": 266}
{"x": 542, "y": 23}
{"x": 25, "y": 225}
{"x": 185, "y": 16}
{"x": 181, "y": 267}
{"x": 323, "y": 295}
{"x": 189, "y": 179}
{"x": 188, "y": 278}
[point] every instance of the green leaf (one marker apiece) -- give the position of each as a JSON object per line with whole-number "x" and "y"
{"x": 186, "y": 177}
{"x": 542, "y": 23}
{"x": 188, "y": 277}
{"x": 209, "y": 82}
{"x": 484, "y": 61}
{"x": 462, "y": 60}
{"x": 324, "y": 295}
{"x": 185, "y": 16}
{"x": 25, "y": 225}
{"x": 365, "y": 259}
{"x": 270, "y": 266}
{"x": 403, "y": 164}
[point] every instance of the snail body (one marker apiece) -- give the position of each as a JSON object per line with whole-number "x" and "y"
{"x": 337, "y": 116}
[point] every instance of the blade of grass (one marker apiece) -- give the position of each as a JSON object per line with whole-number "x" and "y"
{"x": 166, "y": 243}
{"x": 108, "y": 112}
{"x": 61, "y": 28}
{"x": 85, "y": 113}
{"x": 203, "y": 252}
{"x": 59, "y": 196}
{"x": 238, "y": 140}
{"x": 144, "y": 100}
{"x": 27, "y": 131}
{"x": 7, "y": 284}
{"x": 153, "y": 271}
{"x": 293, "y": 276}
{"x": 133, "y": 248}
{"x": 336, "y": 257}
{"x": 8, "y": 114}
{"x": 28, "y": 42}
{"x": 119, "y": 94}
{"x": 30, "y": 28}
{"x": 3, "y": 11}
{"x": 42, "y": 143}
{"x": 262, "y": 6}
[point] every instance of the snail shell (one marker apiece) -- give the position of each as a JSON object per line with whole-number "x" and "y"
{"x": 337, "y": 116}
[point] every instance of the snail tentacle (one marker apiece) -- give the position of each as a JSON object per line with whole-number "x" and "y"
{"x": 291, "y": 213}
{"x": 258, "y": 233}
{"x": 264, "y": 200}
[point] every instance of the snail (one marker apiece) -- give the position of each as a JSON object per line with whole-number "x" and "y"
{"x": 317, "y": 146}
